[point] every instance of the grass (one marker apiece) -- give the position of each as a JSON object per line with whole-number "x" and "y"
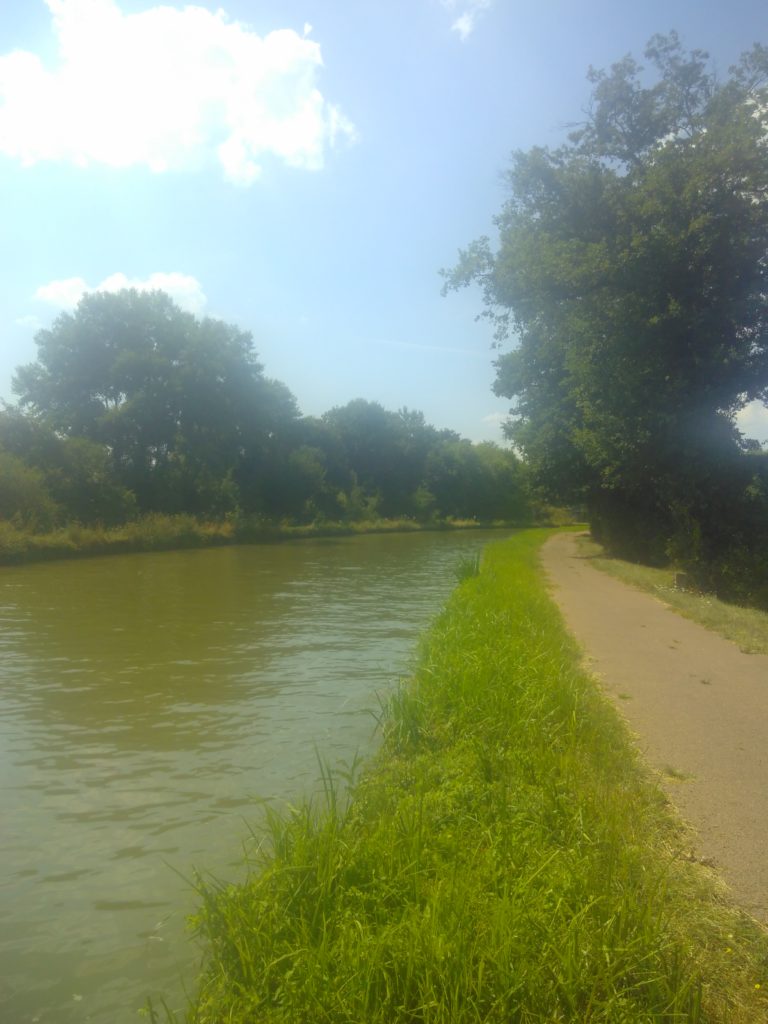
{"x": 467, "y": 567}
{"x": 747, "y": 627}
{"x": 157, "y": 532}
{"x": 150, "y": 533}
{"x": 505, "y": 858}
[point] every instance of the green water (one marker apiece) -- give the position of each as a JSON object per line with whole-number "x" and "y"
{"x": 148, "y": 704}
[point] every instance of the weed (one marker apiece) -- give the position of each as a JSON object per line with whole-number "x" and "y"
{"x": 467, "y": 567}
{"x": 677, "y": 774}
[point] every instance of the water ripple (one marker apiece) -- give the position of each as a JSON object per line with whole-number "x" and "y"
{"x": 151, "y": 703}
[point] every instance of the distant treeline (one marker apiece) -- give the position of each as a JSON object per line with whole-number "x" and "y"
{"x": 135, "y": 407}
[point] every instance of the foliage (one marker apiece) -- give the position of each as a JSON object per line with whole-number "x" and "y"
{"x": 77, "y": 473}
{"x": 504, "y": 859}
{"x": 152, "y": 532}
{"x": 136, "y": 407}
{"x": 24, "y": 498}
{"x": 156, "y": 531}
{"x": 481, "y": 481}
{"x": 385, "y": 452}
{"x": 178, "y": 402}
{"x": 632, "y": 265}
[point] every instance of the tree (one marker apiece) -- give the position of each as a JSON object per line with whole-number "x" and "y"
{"x": 631, "y": 264}
{"x": 383, "y": 451}
{"x": 24, "y": 499}
{"x": 179, "y": 403}
{"x": 76, "y": 473}
{"x": 477, "y": 481}
{"x": 135, "y": 405}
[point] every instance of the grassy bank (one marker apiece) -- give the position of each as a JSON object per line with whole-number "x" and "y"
{"x": 164, "y": 532}
{"x": 748, "y": 627}
{"x": 504, "y": 859}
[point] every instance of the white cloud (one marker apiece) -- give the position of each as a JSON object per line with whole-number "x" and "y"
{"x": 470, "y": 10}
{"x": 65, "y": 293}
{"x": 167, "y": 88}
{"x": 464, "y": 25}
{"x": 752, "y": 421}
{"x": 183, "y": 289}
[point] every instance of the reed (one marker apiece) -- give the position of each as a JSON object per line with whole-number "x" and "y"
{"x": 467, "y": 567}
{"x": 160, "y": 532}
{"x": 505, "y": 858}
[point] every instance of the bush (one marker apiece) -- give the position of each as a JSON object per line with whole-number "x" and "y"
{"x": 24, "y": 499}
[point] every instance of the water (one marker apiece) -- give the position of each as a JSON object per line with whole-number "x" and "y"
{"x": 148, "y": 705}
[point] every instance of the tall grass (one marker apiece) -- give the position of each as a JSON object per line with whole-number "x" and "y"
{"x": 149, "y": 533}
{"x": 467, "y": 567}
{"x": 159, "y": 532}
{"x": 504, "y": 859}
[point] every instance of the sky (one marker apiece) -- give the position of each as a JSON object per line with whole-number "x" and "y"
{"x": 301, "y": 168}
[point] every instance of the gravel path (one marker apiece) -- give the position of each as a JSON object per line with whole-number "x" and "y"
{"x": 697, "y": 705}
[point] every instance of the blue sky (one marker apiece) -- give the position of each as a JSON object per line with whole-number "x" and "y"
{"x": 302, "y": 169}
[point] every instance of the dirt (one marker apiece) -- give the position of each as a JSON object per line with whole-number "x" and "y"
{"x": 697, "y": 705}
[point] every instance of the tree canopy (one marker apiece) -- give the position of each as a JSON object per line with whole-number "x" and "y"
{"x": 631, "y": 269}
{"x": 177, "y": 401}
{"x": 136, "y": 406}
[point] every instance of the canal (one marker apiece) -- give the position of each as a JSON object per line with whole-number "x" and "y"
{"x": 149, "y": 706}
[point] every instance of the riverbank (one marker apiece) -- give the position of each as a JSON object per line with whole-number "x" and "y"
{"x": 179, "y": 532}
{"x": 505, "y": 858}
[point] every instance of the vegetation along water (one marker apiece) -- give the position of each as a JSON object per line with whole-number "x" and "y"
{"x": 505, "y": 859}
{"x": 149, "y": 703}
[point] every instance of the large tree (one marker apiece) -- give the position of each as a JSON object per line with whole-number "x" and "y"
{"x": 384, "y": 451}
{"x": 631, "y": 267}
{"x": 180, "y": 403}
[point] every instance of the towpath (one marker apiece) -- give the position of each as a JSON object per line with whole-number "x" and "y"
{"x": 697, "y": 705}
